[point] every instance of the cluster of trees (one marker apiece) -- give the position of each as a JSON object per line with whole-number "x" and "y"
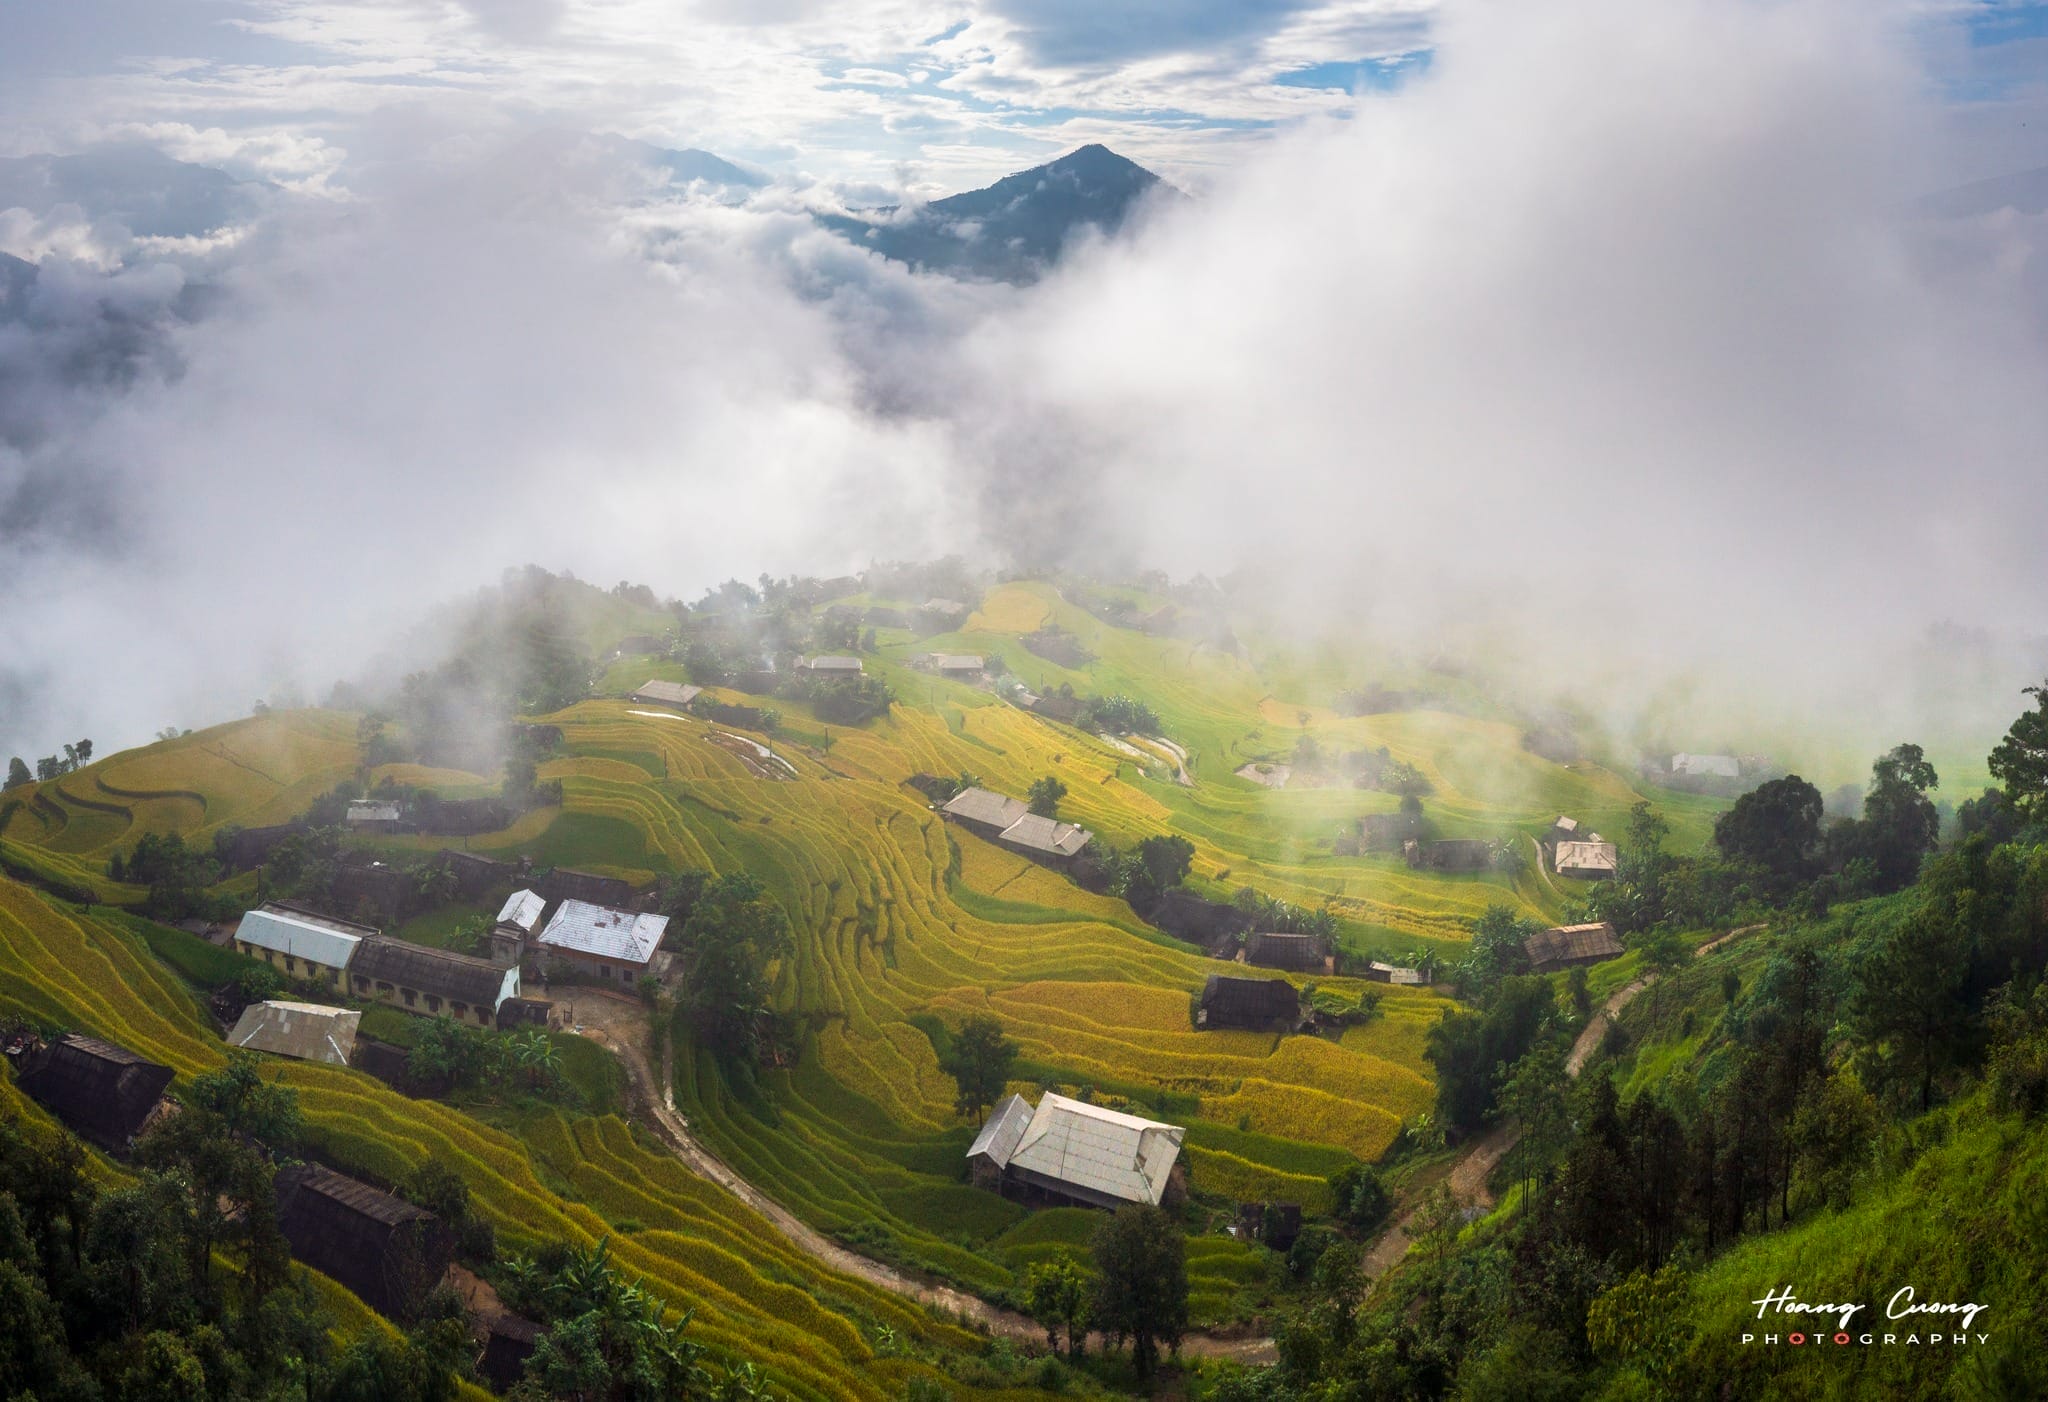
{"x": 606, "y": 1336}
{"x": 842, "y": 700}
{"x": 1270, "y": 913}
{"x": 177, "y": 876}
{"x": 1045, "y": 795}
{"x": 1364, "y": 769}
{"x": 979, "y": 1058}
{"x": 450, "y": 1056}
{"x": 49, "y": 766}
{"x": 1807, "y": 1063}
{"x": 178, "y": 1283}
{"x": 1138, "y": 1290}
{"x": 1119, "y": 714}
{"x": 730, "y": 933}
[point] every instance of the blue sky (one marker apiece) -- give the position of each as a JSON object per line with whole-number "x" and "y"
{"x": 865, "y": 93}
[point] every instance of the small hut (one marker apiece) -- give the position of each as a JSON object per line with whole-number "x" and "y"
{"x": 105, "y": 1093}
{"x": 1564, "y": 946}
{"x": 1247, "y": 1002}
{"x": 1301, "y": 953}
{"x": 384, "y": 1249}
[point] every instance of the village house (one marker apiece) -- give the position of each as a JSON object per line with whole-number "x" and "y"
{"x": 830, "y": 666}
{"x": 947, "y": 611}
{"x": 1564, "y": 829}
{"x": 371, "y": 887}
{"x": 1564, "y": 946}
{"x": 1385, "y": 832}
{"x": 373, "y": 815}
{"x": 1045, "y": 839}
{"x": 1073, "y": 1152}
{"x": 569, "y": 884}
{"x": 1301, "y": 953}
{"x": 1394, "y": 973}
{"x": 955, "y": 666}
{"x": 1591, "y": 860}
{"x": 1247, "y": 1002}
{"x": 252, "y": 846}
{"x": 1451, "y": 854}
{"x": 659, "y": 693}
{"x": 385, "y": 1250}
{"x": 517, "y": 920}
{"x": 520, "y": 1012}
{"x": 301, "y": 943}
{"x": 303, "y": 1031}
{"x": 1011, "y": 822}
{"x": 603, "y": 943}
{"x": 102, "y": 1092}
{"x": 436, "y": 982}
{"x": 475, "y": 875}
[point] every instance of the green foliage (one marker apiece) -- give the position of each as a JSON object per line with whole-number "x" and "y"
{"x": 1359, "y": 1198}
{"x": 1141, "y": 1282}
{"x": 1775, "y": 827}
{"x": 1471, "y": 1050}
{"x": 979, "y": 1060}
{"x": 1045, "y": 795}
{"x": 1056, "y": 1295}
{"x": 2020, "y": 760}
{"x": 733, "y": 932}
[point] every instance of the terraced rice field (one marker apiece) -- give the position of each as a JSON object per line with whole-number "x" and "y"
{"x": 756, "y": 1296}
{"x": 904, "y": 924}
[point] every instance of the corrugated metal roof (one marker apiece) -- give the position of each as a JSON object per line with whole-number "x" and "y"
{"x": 287, "y": 933}
{"x": 1101, "y": 1150}
{"x": 605, "y": 932}
{"x": 372, "y": 811}
{"x": 674, "y": 693}
{"x": 1042, "y": 834}
{"x": 1573, "y": 942}
{"x": 1587, "y": 856}
{"x": 957, "y": 661}
{"x": 522, "y": 908}
{"x": 982, "y": 806}
{"x": 1394, "y": 973}
{"x": 1006, "y": 1125}
{"x": 308, "y": 1031}
{"x": 831, "y": 664}
{"x": 460, "y": 978}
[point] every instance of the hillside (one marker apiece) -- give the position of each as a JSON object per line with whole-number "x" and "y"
{"x": 903, "y": 926}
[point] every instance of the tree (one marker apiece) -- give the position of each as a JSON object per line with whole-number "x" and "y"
{"x": 1045, "y": 795}
{"x": 732, "y": 934}
{"x": 1908, "y": 1007}
{"x": 979, "y": 1061}
{"x": 1056, "y": 1295}
{"x": 1899, "y": 825}
{"x": 17, "y": 773}
{"x": 1775, "y": 826}
{"x": 1359, "y": 1197}
{"x": 1141, "y": 1285}
{"x": 2020, "y": 761}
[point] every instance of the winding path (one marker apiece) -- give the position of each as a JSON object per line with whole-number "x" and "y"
{"x": 620, "y": 1024}
{"x": 1469, "y": 1174}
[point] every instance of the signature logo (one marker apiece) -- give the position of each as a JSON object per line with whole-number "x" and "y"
{"x": 1903, "y": 1308}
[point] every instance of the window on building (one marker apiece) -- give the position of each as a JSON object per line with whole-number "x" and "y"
{"x": 410, "y": 999}
{"x": 384, "y": 990}
{"x": 362, "y": 984}
{"x": 459, "y": 1009}
{"x": 433, "y": 1004}
{"x": 604, "y": 971}
{"x": 291, "y": 965}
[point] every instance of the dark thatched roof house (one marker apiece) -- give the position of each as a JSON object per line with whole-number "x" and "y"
{"x": 1279, "y": 951}
{"x": 1451, "y": 854}
{"x": 432, "y": 981}
{"x": 1247, "y": 1002}
{"x": 1185, "y": 915}
{"x": 252, "y": 846}
{"x": 105, "y": 1093}
{"x": 1566, "y": 945}
{"x": 508, "y": 1343}
{"x": 568, "y": 884}
{"x": 387, "y": 1251}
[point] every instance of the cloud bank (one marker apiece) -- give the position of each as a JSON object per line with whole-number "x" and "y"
{"x": 1606, "y": 346}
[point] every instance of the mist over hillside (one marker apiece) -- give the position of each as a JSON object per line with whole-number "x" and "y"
{"x": 1483, "y": 368}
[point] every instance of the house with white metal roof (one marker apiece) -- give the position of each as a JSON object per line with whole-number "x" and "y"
{"x": 307, "y": 1031}
{"x": 1592, "y": 860}
{"x": 660, "y": 693}
{"x": 300, "y": 944}
{"x": 1076, "y": 1152}
{"x": 831, "y": 666}
{"x": 523, "y": 909}
{"x": 1707, "y": 766}
{"x": 987, "y": 812}
{"x": 1039, "y": 836}
{"x": 603, "y": 942}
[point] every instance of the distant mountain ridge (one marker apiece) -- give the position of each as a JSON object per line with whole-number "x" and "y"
{"x": 2023, "y": 191}
{"x": 1015, "y": 229}
{"x": 150, "y": 193}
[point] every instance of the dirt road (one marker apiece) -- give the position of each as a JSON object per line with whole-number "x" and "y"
{"x": 620, "y": 1024}
{"x": 1468, "y": 1176}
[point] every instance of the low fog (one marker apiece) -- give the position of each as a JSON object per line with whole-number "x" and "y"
{"x": 1611, "y": 351}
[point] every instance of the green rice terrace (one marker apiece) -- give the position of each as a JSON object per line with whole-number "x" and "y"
{"x": 902, "y": 925}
